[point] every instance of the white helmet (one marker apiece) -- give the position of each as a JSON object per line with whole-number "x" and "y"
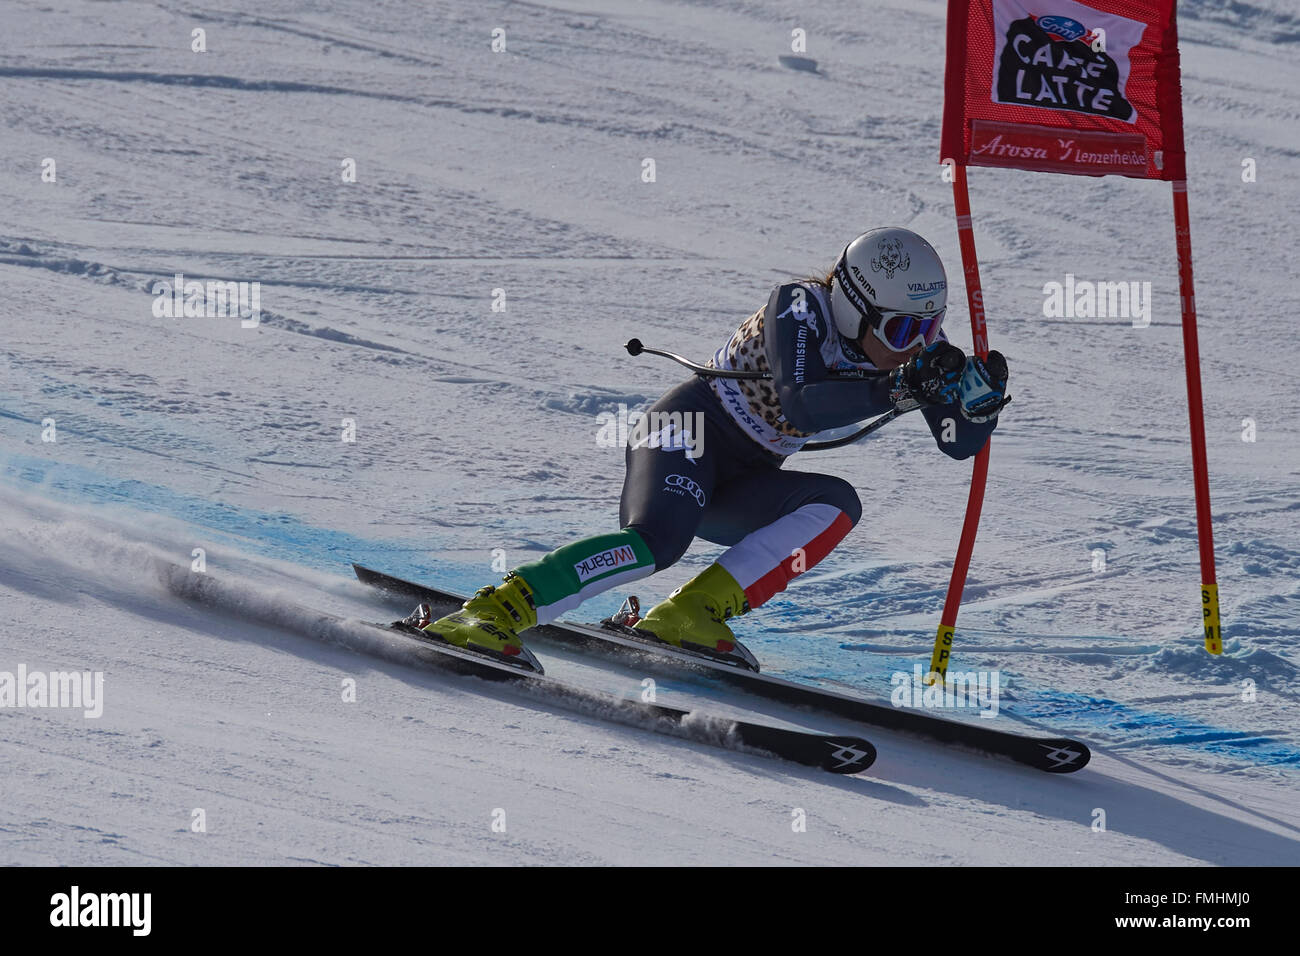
{"x": 887, "y": 271}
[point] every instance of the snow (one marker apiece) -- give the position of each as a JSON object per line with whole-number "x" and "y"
{"x": 476, "y": 434}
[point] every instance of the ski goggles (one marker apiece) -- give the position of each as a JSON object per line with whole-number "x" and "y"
{"x": 901, "y": 331}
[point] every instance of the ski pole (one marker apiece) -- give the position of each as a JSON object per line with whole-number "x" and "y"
{"x": 634, "y": 347}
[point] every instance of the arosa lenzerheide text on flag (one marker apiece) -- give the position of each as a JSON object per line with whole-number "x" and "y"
{"x": 1063, "y": 86}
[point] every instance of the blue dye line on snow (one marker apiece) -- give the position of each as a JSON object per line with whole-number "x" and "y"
{"x": 1067, "y": 713}
{"x": 288, "y": 538}
{"x": 1123, "y": 726}
{"x": 1149, "y": 728}
{"x": 279, "y": 536}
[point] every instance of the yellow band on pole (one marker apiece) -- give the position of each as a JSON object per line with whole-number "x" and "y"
{"x": 942, "y": 650}
{"x": 1210, "y": 615}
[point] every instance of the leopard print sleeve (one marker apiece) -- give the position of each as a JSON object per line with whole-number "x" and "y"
{"x": 792, "y": 338}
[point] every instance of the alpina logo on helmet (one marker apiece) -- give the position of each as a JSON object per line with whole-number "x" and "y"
{"x": 862, "y": 281}
{"x": 850, "y": 290}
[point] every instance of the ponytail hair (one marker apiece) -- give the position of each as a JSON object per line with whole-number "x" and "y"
{"x": 820, "y": 277}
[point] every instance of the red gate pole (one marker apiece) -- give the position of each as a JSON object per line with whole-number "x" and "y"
{"x": 1196, "y": 417}
{"x": 975, "y": 500}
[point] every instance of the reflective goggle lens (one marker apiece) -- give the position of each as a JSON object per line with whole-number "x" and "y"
{"x": 901, "y": 330}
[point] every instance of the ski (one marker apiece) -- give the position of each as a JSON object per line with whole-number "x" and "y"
{"x": 1049, "y": 754}
{"x": 524, "y": 660}
{"x": 630, "y": 613}
{"x": 833, "y": 753}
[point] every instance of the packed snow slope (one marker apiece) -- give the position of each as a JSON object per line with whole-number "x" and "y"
{"x": 459, "y": 309}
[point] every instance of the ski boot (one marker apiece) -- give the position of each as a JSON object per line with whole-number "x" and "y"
{"x": 488, "y": 623}
{"x": 694, "y": 618}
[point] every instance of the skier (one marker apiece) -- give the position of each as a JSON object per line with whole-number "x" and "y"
{"x": 881, "y": 308}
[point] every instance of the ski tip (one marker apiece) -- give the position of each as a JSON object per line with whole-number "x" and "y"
{"x": 847, "y": 754}
{"x": 1061, "y": 755}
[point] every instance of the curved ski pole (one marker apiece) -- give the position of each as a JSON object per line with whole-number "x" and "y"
{"x": 634, "y": 347}
{"x": 870, "y": 427}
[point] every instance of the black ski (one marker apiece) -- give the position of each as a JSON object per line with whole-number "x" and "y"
{"x": 836, "y": 754}
{"x": 1050, "y": 754}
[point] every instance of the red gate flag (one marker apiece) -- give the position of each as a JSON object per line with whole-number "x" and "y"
{"x": 1089, "y": 88}
{"x": 1065, "y": 87}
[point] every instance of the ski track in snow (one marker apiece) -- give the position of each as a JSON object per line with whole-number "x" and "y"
{"x": 477, "y": 430}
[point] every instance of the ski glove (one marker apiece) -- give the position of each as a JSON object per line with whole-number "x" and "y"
{"x": 932, "y": 376}
{"x": 983, "y": 387}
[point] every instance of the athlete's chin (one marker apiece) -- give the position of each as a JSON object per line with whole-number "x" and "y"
{"x": 882, "y": 358}
{"x": 887, "y": 361}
